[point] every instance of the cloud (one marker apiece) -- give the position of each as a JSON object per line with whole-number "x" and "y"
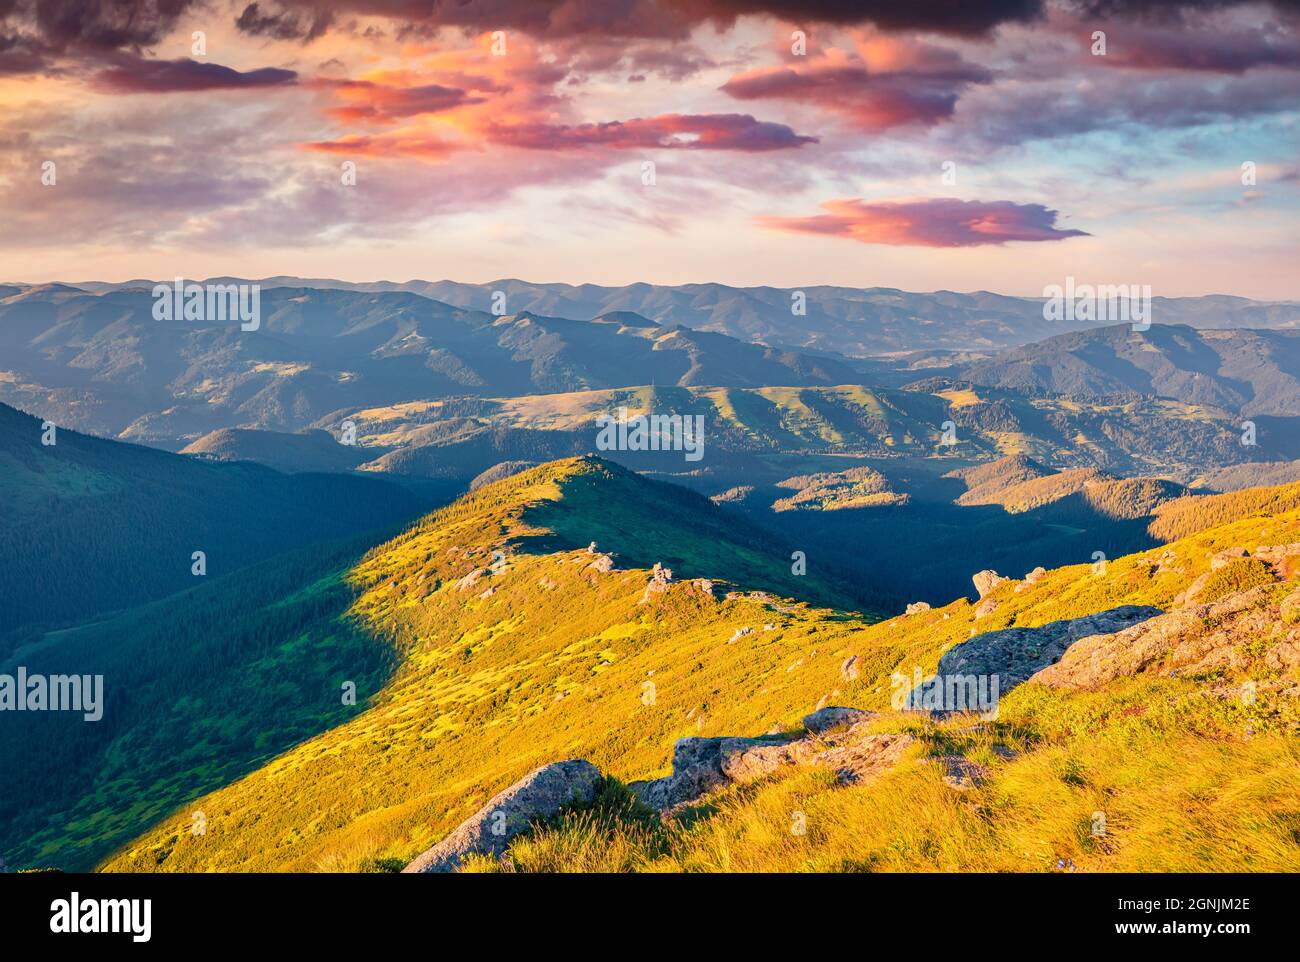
{"x": 105, "y": 25}
{"x": 414, "y": 144}
{"x": 279, "y": 24}
{"x": 134, "y": 75}
{"x": 1209, "y": 51}
{"x": 674, "y": 19}
{"x": 379, "y": 103}
{"x": 932, "y": 222}
{"x": 670, "y": 131}
{"x": 937, "y": 16}
{"x": 915, "y": 84}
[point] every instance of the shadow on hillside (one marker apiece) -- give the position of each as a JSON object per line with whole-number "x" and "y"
{"x": 642, "y": 522}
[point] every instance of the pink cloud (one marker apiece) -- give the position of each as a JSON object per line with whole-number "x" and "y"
{"x": 669, "y": 131}
{"x": 928, "y": 222}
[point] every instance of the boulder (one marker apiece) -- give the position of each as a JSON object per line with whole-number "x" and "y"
{"x": 986, "y": 580}
{"x": 916, "y": 607}
{"x": 1209, "y": 639}
{"x": 541, "y": 794}
{"x": 1227, "y": 556}
{"x": 702, "y": 765}
{"x": 1014, "y": 654}
{"x": 1290, "y": 608}
{"x": 697, "y": 770}
{"x": 833, "y": 717}
{"x": 849, "y": 670}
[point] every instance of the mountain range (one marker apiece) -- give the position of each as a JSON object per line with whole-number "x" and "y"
{"x": 358, "y": 578}
{"x": 855, "y": 322}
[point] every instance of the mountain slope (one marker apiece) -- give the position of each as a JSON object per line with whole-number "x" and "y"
{"x": 255, "y": 661}
{"x": 553, "y": 651}
{"x": 102, "y": 363}
{"x": 92, "y": 525}
{"x": 556, "y": 654}
{"x": 1165, "y": 743}
{"x": 308, "y": 451}
{"x": 1252, "y": 372}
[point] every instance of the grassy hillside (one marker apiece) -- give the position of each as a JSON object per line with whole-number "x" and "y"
{"x": 546, "y": 651}
{"x": 203, "y": 686}
{"x": 1186, "y": 772}
{"x": 91, "y": 525}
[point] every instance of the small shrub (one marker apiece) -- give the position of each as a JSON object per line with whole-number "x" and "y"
{"x": 1240, "y": 575}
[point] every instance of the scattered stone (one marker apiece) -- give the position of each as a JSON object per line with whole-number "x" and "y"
{"x": 1196, "y": 640}
{"x": 986, "y": 607}
{"x": 849, "y": 670}
{"x": 540, "y": 794}
{"x": 467, "y": 582}
{"x": 740, "y": 633}
{"x": 986, "y": 580}
{"x": 1290, "y": 608}
{"x": 1227, "y": 556}
{"x": 833, "y": 717}
{"x": 660, "y": 579}
{"x": 916, "y": 607}
{"x": 603, "y": 563}
{"x": 1014, "y": 654}
{"x": 702, "y": 765}
{"x": 960, "y": 772}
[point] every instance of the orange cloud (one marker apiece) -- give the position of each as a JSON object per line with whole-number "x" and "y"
{"x": 928, "y": 222}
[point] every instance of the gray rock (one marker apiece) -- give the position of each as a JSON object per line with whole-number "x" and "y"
{"x": 1199, "y": 640}
{"x": 1013, "y": 654}
{"x": 541, "y": 794}
{"x": 697, "y": 770}
{"x": 832, "y": 717}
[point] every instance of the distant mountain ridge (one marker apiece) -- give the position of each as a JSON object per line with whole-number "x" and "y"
{"x": 855, "y": 322}
{"x": 102, "y": 363}
{"x": 1254, "y": 372}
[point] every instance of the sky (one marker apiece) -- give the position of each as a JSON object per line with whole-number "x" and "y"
{"x": 1001, "y": 145}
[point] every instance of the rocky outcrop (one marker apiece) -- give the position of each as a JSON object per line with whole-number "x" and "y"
{"x": 825, "y": 719}
{"x": 1195, "y": 640}
{"x": 837, "y": 738}
{"x": 916, "y": 607}
{"x": 849, "y": 669}
{"x": 986, "y": 580}
{"x": 660, "y": 579}
{"x": 1014, "y": 654}
{"x": 697, "y": 770}
{"x": 541, "y": 794}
